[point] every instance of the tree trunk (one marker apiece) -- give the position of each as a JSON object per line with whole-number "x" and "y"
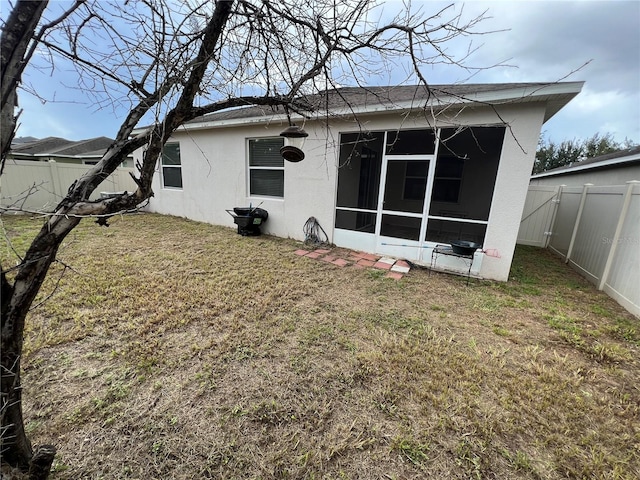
{"x": 17, "y": 297}
{"x": 16, "y": 36}
{"x": 41, "y": 462}
{"x": 16, "y": 447}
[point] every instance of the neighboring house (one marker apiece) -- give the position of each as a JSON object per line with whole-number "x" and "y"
{"x": 615, "y": 168}
{"x": 82, "y": 152}
{"x": 388, "y": 170}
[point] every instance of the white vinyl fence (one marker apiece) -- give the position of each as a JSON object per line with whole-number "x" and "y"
{"x": 39, "y": 186}
{"x": 538, "y": 215}
{"x": 595, "y": 229}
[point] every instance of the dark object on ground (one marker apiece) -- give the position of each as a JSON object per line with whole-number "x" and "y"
{"x": 248, "y": 220}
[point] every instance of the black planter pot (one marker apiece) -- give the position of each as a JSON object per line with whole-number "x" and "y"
{"x": 464, "y": 247}
{"x": 249, "y": 220}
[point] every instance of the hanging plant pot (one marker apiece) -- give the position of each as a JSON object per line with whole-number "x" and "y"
{"x": 294, "y": 138}
{"x": 292, "y": 154}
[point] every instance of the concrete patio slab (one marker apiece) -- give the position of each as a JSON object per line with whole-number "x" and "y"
{"x": 388, "y": 260}
{"x": 342, "y": 257}
{"x": 400, "y": 269}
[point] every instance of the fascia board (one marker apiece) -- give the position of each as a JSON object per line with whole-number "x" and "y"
{"x": 75, "y": 157}
{"x": 278, "y": 119}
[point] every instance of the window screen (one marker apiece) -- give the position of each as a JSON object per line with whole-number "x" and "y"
{"x": 171, "y": 166}
{"x": 266, "y": 167}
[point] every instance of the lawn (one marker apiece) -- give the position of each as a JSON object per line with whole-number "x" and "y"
{"x": 172, "y": 349}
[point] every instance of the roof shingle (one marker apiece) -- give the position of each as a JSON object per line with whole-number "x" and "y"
{"x": 373, "y": 97}
{"x": 63, "y": 147}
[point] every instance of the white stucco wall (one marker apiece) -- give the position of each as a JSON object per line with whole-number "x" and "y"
{"x": 518, "y": 155}
{"x": 215, "y": 177}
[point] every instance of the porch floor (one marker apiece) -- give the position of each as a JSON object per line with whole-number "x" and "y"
{"x": 340, "y": 257}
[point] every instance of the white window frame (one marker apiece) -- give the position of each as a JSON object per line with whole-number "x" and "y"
{"x": 179, "y": 167}
{"x": 251, "y": 168}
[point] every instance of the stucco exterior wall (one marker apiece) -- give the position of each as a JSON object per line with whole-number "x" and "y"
{"x": 215, "y": 176}
{"x": 512, "y": 182}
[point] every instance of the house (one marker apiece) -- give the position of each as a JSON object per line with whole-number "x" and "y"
{"x": 615, "y": 168}
{"x": 388, "y": 170}
{"x": 61, "y": 150}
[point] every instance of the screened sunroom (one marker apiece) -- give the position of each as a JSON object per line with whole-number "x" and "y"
{"x": 403, "y": 192}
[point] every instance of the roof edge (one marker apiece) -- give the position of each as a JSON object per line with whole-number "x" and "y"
{"x": 590, "y": 166}
{"x": 514, "y": 93}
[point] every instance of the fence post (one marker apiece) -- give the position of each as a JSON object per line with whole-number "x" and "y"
{"x": 583, "y": 199}
{"x": 55, "y": 179}
{"x": 552, "y": 223}
{"x": 616, "y": 236}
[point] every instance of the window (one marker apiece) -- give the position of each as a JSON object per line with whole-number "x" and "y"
{"x": 415, "y": 180}
{"x": 411, "y": 142}
{"x": 266, "y": 167}
{"x": 171, "y": 166}
{"x": 466, "y": 171}
{"x": 446, "y": 185}
{"x": 359, "y": 181}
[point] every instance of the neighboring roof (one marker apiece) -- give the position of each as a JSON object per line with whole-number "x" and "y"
{"x": 359, "y": 100}
{"x": 24, "y": 139}
{"x": 94, "y": 153}
{"x": 56, "y": 146}
{"x": 621, "y": 158}
{"x": 45, "y": 145}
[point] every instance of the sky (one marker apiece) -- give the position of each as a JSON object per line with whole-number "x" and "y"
{"x": 597, "y": 42}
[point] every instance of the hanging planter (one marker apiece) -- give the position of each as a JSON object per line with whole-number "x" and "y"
{"x": 294, "y": 138}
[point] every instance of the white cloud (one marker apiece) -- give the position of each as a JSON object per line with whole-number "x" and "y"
{"x": 549, "y": 40}
{"x": 592, "y": 102}
{"x": 596, "y": 111}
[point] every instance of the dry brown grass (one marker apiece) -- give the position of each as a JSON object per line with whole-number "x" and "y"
{"x": 182, "y": 350}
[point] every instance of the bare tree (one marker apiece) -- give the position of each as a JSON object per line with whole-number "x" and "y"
{"x": 170, "y": 63}
{"x": 16, "y": 38}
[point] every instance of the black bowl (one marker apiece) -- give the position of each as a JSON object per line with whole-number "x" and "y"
{"x": 292, "y": 154}
{"x": 464, "y": 247}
